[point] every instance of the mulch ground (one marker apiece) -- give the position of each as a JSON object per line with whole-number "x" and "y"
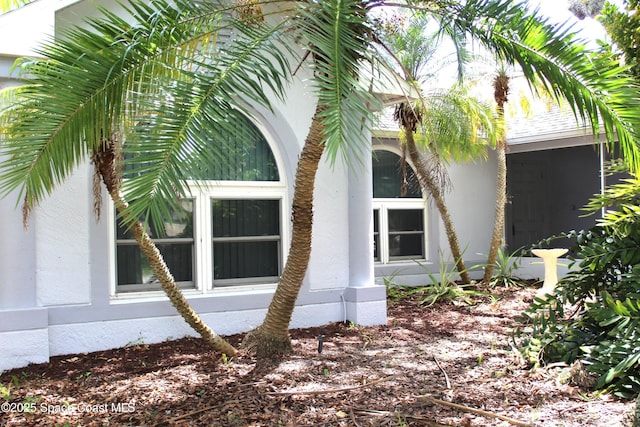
{"x": 405, "y": 373}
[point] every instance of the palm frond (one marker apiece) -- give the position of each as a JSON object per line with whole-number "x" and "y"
{"x": 191, "y": 123}
{"x": 155, "y": 80}
{"x": 456, "y": 126}
{"x": 596, "y": 88}
{"x": 459, "y": 41}
{"x": 338, "y": 37}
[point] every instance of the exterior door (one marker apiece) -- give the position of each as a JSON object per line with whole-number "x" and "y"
{"x": 547, "y": 191}
{"x": 527, "y": 213}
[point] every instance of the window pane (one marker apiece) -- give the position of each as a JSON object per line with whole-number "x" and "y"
{"x": 387, "y": 176}
{"x": 133, "y": 267}
{"x": 245, "y": 153}
{"x": 406, "y": 220}
{"x": 406, "y": 246}
{"x": 233, "y": 260}
{"x": 179, "y": 259}
{"x": 129, "y": 264}
{"x": 181, "y": 225}
{"x": 246, "y": 238}
{"x": 376, "y": 234}
{"x": 235, "y": 218}
{"x": 175, "y": 242}
{"x": 406, "y": 233}
{"x": 242, "y": 153}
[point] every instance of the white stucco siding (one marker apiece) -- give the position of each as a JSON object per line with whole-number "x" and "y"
{"x": 96, "y": 336}
{"x": 103, "y": 335}
{"x": 471, "y": 202}
{"x": 17, "y": 257}
{"x": 23, "y": 348}
{"x": 62, "y": 245}
{"x": 329, "y": 265}
{"x": 23, "y": 30}
{"x": 361, "y": 242}
{"x": 299, "y": 104}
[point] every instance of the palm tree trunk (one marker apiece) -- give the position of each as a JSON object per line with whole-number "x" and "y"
{"x": 164, "y": 276}
{"x": 501, "y": 201}
{"x": 105, "y": 164}
{"x": 272, "y": 336}
{"x": 501, "y": 96}
{"x": 435, "y": 193}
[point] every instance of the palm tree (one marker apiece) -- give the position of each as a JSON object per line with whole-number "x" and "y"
{"x": 546, "y": 54}
{"x": 166, "y": 71}
{"x": 62, "y": 118}
{"x": 501, "y": 96}
{"x": 336, "y": 34}
{"x": 430, "y": 169}
{"x": 450, "y": 120}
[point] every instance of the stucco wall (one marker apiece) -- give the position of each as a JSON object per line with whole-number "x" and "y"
{"x": 61, "y": 224}
{"x": 471, "y": 202}
{"x": 329, "y": 266}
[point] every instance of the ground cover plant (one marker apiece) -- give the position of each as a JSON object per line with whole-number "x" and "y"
{"x": 400, "y": 374}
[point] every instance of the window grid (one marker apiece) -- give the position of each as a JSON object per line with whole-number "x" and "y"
{"x": 256, "y": 178}
{"x": 383, "y": 238}
{"x": 399, "y": 219}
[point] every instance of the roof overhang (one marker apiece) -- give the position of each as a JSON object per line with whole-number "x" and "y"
{"x": 388, "y": 86}
{"x": 24, "y": 29}
{"x": 570, "y": 138}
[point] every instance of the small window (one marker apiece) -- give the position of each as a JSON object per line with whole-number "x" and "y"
{"x": 406, "y": 233}
{"x": 398, "y": 216}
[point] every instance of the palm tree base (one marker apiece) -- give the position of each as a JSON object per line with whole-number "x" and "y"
{"x": 264, "y": 344}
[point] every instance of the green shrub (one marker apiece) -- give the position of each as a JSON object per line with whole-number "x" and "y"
{"x": 504, "y": 272}
{"x": 594, "y": 313}
{"x": 442, "y": 286}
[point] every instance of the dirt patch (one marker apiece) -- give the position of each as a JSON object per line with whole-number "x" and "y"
{"x": 365, "y": 376}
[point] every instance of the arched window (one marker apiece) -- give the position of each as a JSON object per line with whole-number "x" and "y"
{"x": 229, "y": 233}
{"x": 398, "y": 210}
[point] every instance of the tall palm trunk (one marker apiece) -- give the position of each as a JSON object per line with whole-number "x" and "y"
{"x": 501, "y": 92}
{"x": 272, "y": 336}
{"x": 408, "y": 117}
{"x": 435, "y": 192}
{"x": 104, "y": 161}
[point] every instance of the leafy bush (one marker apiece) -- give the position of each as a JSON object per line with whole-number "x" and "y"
{"x": 594, "y": 313}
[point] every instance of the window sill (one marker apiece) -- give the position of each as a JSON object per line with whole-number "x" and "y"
{"x": 401, "y": 267}
{"x": 152, "y": 296}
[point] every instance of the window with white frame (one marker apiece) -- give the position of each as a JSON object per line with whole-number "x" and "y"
{"x": 398, "y": 210}
{"x": 229, "y": 233}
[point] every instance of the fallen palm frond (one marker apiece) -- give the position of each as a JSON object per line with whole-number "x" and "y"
{"x": 477, "y": 411}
